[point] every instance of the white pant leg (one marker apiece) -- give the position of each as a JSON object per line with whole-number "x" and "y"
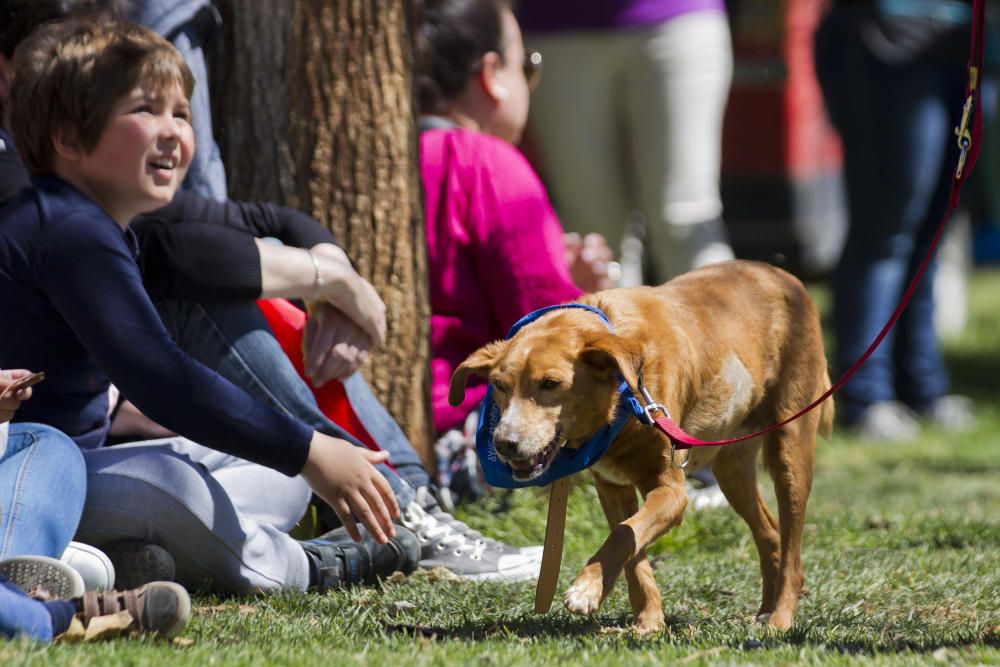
{"x": 222, "y": 519}
{"x": 677, "y": 85}
{"x": 575, "y": 121}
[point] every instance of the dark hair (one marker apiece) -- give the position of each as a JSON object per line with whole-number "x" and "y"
{"x": 68, "y": 76}
{"x": 452, "y": 37}
{"x": 19, "y": 18}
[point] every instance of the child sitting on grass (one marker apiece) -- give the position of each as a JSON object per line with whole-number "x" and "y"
{"x": 100, "y": 114}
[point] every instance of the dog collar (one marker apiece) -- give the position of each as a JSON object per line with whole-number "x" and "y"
{"x": 567, "y": 461}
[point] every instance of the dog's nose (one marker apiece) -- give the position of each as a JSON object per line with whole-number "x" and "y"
{"x": 505, "y": 448}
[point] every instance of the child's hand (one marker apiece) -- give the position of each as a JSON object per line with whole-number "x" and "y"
{"x": 333, "y": 346}
{"x": 10, "y": 396}
{"x": 589, "y": 258}
{"x": 351, "y": 293}
{"x": 345, "y": 477}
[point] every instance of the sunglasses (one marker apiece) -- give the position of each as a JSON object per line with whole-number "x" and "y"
{"x": 533, "y": 69}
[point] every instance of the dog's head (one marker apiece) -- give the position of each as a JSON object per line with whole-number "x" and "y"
{"x": 555, "y": 383}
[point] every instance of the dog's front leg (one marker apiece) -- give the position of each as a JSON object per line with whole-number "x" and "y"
{"x": 631, "y": 532}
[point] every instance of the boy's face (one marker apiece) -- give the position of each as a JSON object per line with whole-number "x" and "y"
{"x": 143, "y": 153}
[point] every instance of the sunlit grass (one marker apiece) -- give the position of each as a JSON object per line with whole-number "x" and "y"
{"x": 902, "y": 551}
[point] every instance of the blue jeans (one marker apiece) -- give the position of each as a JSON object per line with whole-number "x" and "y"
{"x": 235, "y": 340}
{"x": 896, "y": 121}
{"x": 42, "y": 488}
{"x": 23, "y": 616}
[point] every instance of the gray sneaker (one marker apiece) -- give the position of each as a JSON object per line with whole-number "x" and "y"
{"x": 426, "y": 498}
{"x": 444, "y": 544}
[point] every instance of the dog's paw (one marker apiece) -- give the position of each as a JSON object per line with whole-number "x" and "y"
{"x": 775, "y": 621}
{"x": 649, "y": 623}
{"x": 583, "y": 597}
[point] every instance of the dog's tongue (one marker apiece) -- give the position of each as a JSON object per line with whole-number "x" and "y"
{"x": 526, "y": 464}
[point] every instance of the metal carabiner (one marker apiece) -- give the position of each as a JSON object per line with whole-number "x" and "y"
{"x": 964, "y": 137}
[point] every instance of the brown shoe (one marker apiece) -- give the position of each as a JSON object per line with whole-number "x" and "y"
{"x": 160, "y": 607}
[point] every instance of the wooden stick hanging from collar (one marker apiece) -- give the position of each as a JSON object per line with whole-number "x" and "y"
{"x": 555, "y": 530}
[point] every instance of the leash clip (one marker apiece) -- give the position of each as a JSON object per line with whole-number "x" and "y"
{"x": 648, "y": 408}
{"x": 964, "y": 137}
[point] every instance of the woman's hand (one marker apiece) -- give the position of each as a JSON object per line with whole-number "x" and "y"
{"x": 589, "y": 258}
{"x": 12, "y": 399}
{"x": 344, "y": 289}
{"x": 333, "y": 346}
{"x": 345, "y": 477}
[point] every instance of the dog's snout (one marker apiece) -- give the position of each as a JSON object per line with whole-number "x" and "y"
{"x": 505, "y": 448}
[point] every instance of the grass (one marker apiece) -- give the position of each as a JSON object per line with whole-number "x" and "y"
{"x": 902, "y": 553}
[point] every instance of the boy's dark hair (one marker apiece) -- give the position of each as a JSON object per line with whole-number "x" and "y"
{"x": 452, "y": 37}
{"x": 68, "y": 77}
{"x": 19, "y": 18}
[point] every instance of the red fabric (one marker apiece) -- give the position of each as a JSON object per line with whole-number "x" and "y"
{"x": 288, "y": 322}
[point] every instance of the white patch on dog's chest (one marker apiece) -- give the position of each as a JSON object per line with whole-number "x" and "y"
{"x": 737, "y": 377}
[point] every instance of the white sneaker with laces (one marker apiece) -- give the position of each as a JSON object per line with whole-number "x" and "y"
{"x": 442, "y": 544}
{"x": 425, "y": 498}
{"x": 93, "y": 565}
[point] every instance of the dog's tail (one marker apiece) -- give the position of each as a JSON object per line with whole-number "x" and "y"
{"x": 826, "y": 410}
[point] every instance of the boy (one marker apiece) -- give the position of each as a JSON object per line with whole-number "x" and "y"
{"x": 100, "y": 115}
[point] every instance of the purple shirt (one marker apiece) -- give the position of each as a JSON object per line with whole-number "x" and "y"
{"x": 560, "y": 15}
{"x": 495, "y": 252}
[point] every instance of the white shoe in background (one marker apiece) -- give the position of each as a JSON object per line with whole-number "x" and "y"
{"x": 93, "y": 565}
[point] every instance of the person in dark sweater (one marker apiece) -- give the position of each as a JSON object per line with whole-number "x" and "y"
{"x": 203, "y": 263}
{"x": 115, "y": 142}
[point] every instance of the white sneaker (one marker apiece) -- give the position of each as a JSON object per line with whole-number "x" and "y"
{"x": 93, "y": 565}
{"x": 443, "y": 545}
{"x": 43, "y": 576}
{"x": 426, "y": 499}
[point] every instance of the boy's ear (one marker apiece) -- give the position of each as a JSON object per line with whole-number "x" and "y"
{"x": 66, "y": 147}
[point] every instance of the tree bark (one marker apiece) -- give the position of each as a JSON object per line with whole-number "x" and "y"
{"x": 313, "y": 103}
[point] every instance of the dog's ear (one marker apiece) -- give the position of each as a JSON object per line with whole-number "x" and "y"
{"x": 479, "y": 362}
{"x": 611, "y": 354}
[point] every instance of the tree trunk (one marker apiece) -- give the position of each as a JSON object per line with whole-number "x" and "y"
{"x": 313, "y": 109}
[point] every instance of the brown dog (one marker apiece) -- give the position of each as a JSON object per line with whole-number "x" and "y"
{"x": 728, "y": 349}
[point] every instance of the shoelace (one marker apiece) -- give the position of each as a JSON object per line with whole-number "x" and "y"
{"x": 429, "y": 528}
{"x": 470, "y": 533}
{"x": 425, "y": 499}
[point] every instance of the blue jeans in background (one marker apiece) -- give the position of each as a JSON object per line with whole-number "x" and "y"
{"x": 896, "y": 120}
{"x": 42, "y": 489}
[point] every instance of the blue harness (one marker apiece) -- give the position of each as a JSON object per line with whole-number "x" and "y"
{"x": 567, "y": 461}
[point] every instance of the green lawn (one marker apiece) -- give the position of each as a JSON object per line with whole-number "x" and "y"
{"x": 902, "y": 551}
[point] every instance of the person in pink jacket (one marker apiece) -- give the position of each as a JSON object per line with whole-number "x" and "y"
{"x": 496, "y": 249}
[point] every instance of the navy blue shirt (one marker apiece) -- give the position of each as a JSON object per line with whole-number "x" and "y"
{"x": 72, "y": 304}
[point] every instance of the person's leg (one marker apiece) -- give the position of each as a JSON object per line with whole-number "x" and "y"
{"x": 223, "y": 520}
{"x": 234, "y": 339}
{"x": 22, "y": 616}
{"x": 676, "y": 87}
{"x": 890, "y": 178}
{"x": 385, "y": 431}
{"x": 575, "y": 123}
{"x": 42, "y": 485}
{"x": 921, "y": 376}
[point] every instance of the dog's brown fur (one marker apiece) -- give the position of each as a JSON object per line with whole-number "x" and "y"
{"x": 729, "y": 349}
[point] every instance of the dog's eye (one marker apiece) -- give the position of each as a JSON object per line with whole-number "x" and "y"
{"x": 499, "y": 386}
{"x": 549, "y": 383}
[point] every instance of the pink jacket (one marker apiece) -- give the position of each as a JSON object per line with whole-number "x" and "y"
{"x": 495, "y": 250}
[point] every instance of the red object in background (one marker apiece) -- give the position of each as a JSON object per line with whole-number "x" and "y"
{"x": 288, "y": 322}
{"x": 781, "y": 159}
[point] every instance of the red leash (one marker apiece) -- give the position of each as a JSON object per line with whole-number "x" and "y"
{"x": 969, "y": 139}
